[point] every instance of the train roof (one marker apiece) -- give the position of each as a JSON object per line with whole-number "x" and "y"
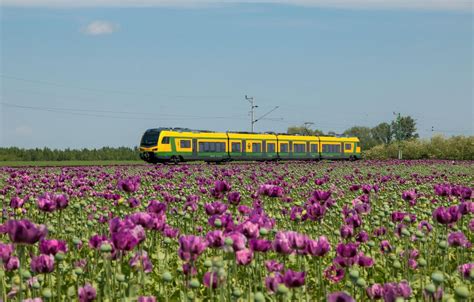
{"x": 267, "y": 135}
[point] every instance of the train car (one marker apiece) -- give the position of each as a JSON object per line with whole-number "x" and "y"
{"x": 176, "y": 145}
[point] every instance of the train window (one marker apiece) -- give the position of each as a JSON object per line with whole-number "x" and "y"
{"x": 271, "y": 148}
{"x": 337, "y": 148}
{"x": 211, "y": 147}
{"x": 314, "y": 148}
{"x": 220, "y": 147}
{"x": 185, "y": 143}
{"x": 256, "y": 148}
{"x": 348, "y": 146}
{"x": 284, "y": 148}
{"x": 299, "y": 148}
{"x": 236, "y": 147}
{"x": 165, "y": 140}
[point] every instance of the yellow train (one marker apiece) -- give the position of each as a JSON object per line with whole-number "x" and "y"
{"x": 176, "y": 145}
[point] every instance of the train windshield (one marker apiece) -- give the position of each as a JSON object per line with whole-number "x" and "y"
{"x": 150, "y": 138}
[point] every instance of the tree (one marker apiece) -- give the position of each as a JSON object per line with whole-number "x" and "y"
{"x": 364, "y": 134}
{"x": 382, "y": 133}
{"x": 404, "y": 128}
{"x": 302, "y": 130}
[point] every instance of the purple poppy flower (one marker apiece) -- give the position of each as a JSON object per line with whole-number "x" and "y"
{"x": 456, "y": 239}
{"x": 129, "y": 185}
{"x": 16, "y": 202}
{"x": 141, "y": 261}
{"x": 334, "y": 273}
{"x": 375, "y": 291}
{"x": 272, "y": 282}
{"x": 133, "y": 202}
{"x": 126, "y": 239}
{"x": 156, "y": 207}
{"x": 466, "y": 207}
{"x": 442, "y": 190}
{"x": 6, "y": 251}
{"x": 190, "y": 247}
{"x": 348, "y": 250}
{"x": 61, "y": 201}
{"x": 211, "y": 279}
{"x": 270, "y": 190}
{"x": 244, "y": 210}
{"x": 398, "y": 216}
{"x": 273, "y": 266}
{"x": 234, "y": 198}
{"x": 425, "y": 225}
{"x": 24, "y": 231}
{"x": 446, "y": 215}
{"x": 244, "y": 257}
{"x": 281, "y": 244}
{"x": 294, "y": 279}
{"x": 354, "y": 188}
{"x": 321, "y": 195}
{"x": 239, "y": 241}
{"x": 260, "y": 245}
{"x": 410, "y": 196}
{"x": 346, "y": 231}
{"x": 215, "y": 238}
{"x": 52, "y": 246}
{"x": 12, "y": 264}
{"x": 42, "y": 264}
{"x": 466, "y": 269}
{"x": 340, "y": 297}
{"x": 170, "y": 232}
{"x": 87, "y": 293}
{"x": 96, "y": 241}
{"x": 318, "y": 247}
{"x": 316, "y": 211}
{"x": 385, "y": 246}
{"x": 364, "y": 261}
{"x": 392, "y": 291}
{"x": 215, "y": 208}
{"x": 362, "y": 236}
{"x": 471, "y": 225}
{"x": 250, "y": 229}
{"x": 46, "y": 202}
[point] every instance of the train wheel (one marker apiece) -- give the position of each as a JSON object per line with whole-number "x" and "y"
{"x": 174, "y": 160}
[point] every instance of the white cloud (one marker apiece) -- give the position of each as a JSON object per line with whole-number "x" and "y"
{"x": 23, "y": 130}
{"x": 100, "y": 28}
{"x": 465, "y": 5}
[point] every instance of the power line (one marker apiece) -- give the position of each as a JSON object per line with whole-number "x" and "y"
{"x": 107, "y": 90}
{"x": 93, "y": 113}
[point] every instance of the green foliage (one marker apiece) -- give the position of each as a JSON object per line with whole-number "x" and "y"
{"x": 46, "y": 154}
{"x": 404, "y": 128}
{"x": 401, "y": 129}
{"x": 303, "y": 131}
{"x": 364, "y": 134}
{"x": 382, "y": 133}
{"x": 438, "y": 147}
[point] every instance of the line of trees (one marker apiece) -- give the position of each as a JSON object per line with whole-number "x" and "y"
{"x": 384, "y": 141}
{"x": 401, "y": 129}
{"x": 47, "y": 154}
{"x": 438, "y": 147}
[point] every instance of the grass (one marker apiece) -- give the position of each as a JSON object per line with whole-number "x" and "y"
{"x": 69, "y": 163}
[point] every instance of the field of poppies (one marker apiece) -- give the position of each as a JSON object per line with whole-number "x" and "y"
{"x": 296, "y": 231}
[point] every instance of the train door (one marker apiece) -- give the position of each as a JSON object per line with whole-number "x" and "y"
{"x": 195, "y": 150}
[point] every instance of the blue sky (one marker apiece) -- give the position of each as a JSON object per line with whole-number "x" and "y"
{"x": 99, "y": 73}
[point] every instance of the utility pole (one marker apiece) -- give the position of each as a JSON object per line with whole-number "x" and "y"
{"x": 252, "y": 109}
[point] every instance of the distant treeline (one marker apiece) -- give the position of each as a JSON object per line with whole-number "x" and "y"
{"x": 438, "y": 147}
{"x": 47, "y": 154}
